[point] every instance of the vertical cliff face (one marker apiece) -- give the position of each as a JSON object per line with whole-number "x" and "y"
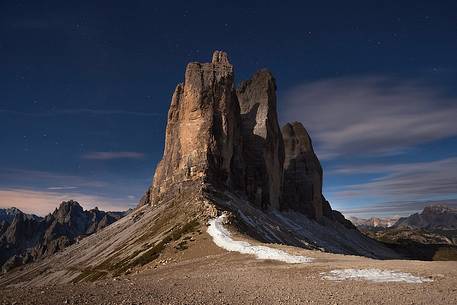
{"x": 202, "y": 128}
{"x": 302, "y": 172}
{"x": 230, "y": 139}
{"x": 263, "y": 148}
{"x": 225, "y": 137}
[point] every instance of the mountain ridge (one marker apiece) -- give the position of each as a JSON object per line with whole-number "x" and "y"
{"x": 7, "y": 214}
{"x": 439, "y": 217}
{"x": 375, "y": 222}
{"x": 28, "y": 238}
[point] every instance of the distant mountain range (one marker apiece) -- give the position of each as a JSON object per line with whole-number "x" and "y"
{"x": 435, "y": 217}
{"x": 431, "y": 234}
{"x": 27, "y": 237}
{"x": 7, "y": 215}
{"x": 374, "y": 222}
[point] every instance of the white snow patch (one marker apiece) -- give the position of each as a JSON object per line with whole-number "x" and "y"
{"x": 375, "y": 275}
{"x": 222, "y": 238}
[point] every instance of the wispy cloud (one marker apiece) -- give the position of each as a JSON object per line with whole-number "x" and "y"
{"x": 109, "y": 155}
{"x": 40, "y": 191}
{"x": 14, "y": 176}
{"x": 416, "y": 180}
{"x": 78, "y": 112}
{"x": 402, "y": 208}
{"x": 59, "y": 188}
{"x": 44, "y": 202}
{"x": 371, "y": 115}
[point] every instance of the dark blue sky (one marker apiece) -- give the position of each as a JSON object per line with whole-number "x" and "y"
{"x": 85, "y": 87}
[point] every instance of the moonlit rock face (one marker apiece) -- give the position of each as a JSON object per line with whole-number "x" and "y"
{"x": 220, "y": 57}
{"x": 374, "y": 275}
{"x": 222, "y": 238}
{"x": 302, "y": 172}
{"x": 263, "y": 148}
{"x": 201, "y": 134}
{"x": 227, "y": 139}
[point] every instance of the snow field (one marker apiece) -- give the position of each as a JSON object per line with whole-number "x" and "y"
{"x": 374, "y": 275}
{"x": 222, "y": 238}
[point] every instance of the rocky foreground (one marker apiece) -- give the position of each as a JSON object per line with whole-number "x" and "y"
{"x": 206, "y": 274}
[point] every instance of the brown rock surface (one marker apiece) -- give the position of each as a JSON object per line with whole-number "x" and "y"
{"x": 302, "y": 172}
{"x": 263, "y": 148}
{"x": 231, "y": 140}
{"x": 206, "y": 274}
{"x": 202, "y": 129}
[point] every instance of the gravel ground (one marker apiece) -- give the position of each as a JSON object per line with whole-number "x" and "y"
{"x": 205, "y": 274}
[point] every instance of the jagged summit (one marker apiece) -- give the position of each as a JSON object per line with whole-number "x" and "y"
{"x": 297, "y": 130}
{"x": 201, "y": 129}
{"x": 438, "y": 209}
{"x": 224, "y": 146}
{"x": 8, "y": 214}
{"x": 220, "y": 57}
{"x": 263, "y": 148}
{"x": 439, "y": 217}
{"x": 27, "y": 238}
{"x": 302, "y": 172}
{"x": 229, "y": 138}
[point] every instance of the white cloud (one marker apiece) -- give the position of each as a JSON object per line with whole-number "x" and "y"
{"x": 370, "y": 115}
{"x": 44, "y": 202}
{"x": 109, "y": 155}
{"x": 406, "y": 181}
{"x": 401, "y": 208}
{"x": 57, "y": 188}
{"x": 52, "y": 179}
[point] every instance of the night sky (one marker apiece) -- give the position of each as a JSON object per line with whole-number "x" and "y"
{"x": 85, "y": 88}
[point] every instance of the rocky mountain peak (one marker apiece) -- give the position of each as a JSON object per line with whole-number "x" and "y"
{"x": 230, "y": 139}
{"x": 438, "y": 209}
{"x": 67, "y": 206}
{"x": 220, "y": 57}
{"x": 432, "y": 217}
{"x": 263, "y": 148}
{"x": 201, "y": 132}
{"x": 8, "y": 214}
{"x": 302, "y": 141}
{"x": 68, "y": 211}
{"x": 302, "y": 172}
{"x": 28, "y": 238}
